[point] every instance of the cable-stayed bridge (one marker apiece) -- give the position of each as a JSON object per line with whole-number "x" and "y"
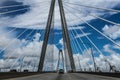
{"x": 37, "y": 53}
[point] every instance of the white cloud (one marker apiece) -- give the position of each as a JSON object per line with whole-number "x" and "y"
{"x": 100, "y": 38}
{"x": 82, "y": 35}
{"x": 107, "y": 48}
{"x": 61, "y": 41}
{"x": 76, "y": 28}
{"x": 32, "y": 54}
{"x": 86, "y": 59}
{"x": 113, "y": 58}
{"x": 29, "y": 53}
{"x": 6, "y": 38}
{"x": 37, "y": 16}
{"x": 112, "y": 31}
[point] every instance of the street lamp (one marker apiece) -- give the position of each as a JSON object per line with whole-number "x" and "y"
{"x": 79, "y": 63}
{"x": 92, "y": 55}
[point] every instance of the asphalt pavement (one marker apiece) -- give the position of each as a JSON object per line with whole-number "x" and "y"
{"x": 69, "y": 76}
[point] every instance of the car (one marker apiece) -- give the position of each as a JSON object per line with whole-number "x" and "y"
{"x": 13, "y": 70}
{"x": 26, "y": 70}
{"x": 61, "y": 71}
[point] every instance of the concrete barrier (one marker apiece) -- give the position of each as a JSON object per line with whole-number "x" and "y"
{"x": 6, "y": 75}
{"x": 109, "y": 74}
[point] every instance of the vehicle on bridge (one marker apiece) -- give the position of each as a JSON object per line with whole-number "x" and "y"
{"x": 13, "y": 70}
{"x": 61, "y": 71}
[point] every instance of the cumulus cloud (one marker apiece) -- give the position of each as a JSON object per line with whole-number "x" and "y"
{"x": 84, "y": 60}
{"x": 30, "y": 55}
{"x": 17, "y": 53}
{"x": 86, "y": 63}
{"x": 112, "y": 31}
{"x": 113, "y": 56}
{"x": 6, "y": 38}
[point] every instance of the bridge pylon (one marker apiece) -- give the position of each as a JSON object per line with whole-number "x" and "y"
{"x": 65, "y": 35}
{"x": 61, "y": 56}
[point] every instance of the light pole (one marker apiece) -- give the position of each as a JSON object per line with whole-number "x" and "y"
{"x": 79, "y": 63}
{"x": 92, "y": 55}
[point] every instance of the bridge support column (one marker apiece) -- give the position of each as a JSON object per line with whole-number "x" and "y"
{"x": 66, "y": 35}
{"x": 47, "y": 31}
{"x": 60, "y": 55}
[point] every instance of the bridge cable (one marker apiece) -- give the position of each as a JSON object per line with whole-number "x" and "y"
{"x": 19, "y": 5}
{"x": 39, "y": 39}
{"x": 13, "y": 41}
{"x": 12, "y": 11}
{"x": 117, "y": 24}
{"x": 98, "y": 31}
{"x": 74, "y": 43}
{"x": 104, "y": 9}
{"x": 21, "y": 65}
{"x": 27, "y": 41}
{"x": 87, "y": 36}
{"x": 96, "y": 48}
{"x": 77, "y": 43}
{"x": 92, "y": 42}
{"x": 14, "y": 28}
{"x": 82, "y": 43}
{"x": 19, "y": 36}
{"x": 74, "y": 47}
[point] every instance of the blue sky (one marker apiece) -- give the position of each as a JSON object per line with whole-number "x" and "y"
{"x": 33, "y": 18}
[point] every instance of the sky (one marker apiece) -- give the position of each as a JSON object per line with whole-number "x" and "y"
{"x": 22, "y": 28}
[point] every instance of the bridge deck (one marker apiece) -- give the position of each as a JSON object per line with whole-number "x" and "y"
{"x": 70, "y": 76}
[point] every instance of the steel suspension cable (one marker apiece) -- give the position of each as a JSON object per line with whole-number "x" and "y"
{"x": 78, "y": 49}
{"x": 15, "y": 27}
{"x": 12, "y": 11}
{"x": 21, "y": 65}
{"x": 81, "y": 41}
{"x": 118, "y": 24}
{"x": 96, "y": 30}
{"x": 21, "y": 43}
{"x": 74, "y": 46}
{"x": 77, "y": 42}
{"x": 21, "y": 54}
{"x": 74, "y": 41}
{"x": 91, "y": 41}
{"x": 13, "y": 41}
{"x": 19, "y": 5}
{"x": 98, "y": 8}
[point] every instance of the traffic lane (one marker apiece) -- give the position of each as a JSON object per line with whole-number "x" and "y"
{"x": 79, "y": 76}
{"x": 69, "y": 76}
{"x": 47, "y": 76}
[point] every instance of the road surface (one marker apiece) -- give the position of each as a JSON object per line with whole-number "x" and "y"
{"x": 70, "y": 76}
